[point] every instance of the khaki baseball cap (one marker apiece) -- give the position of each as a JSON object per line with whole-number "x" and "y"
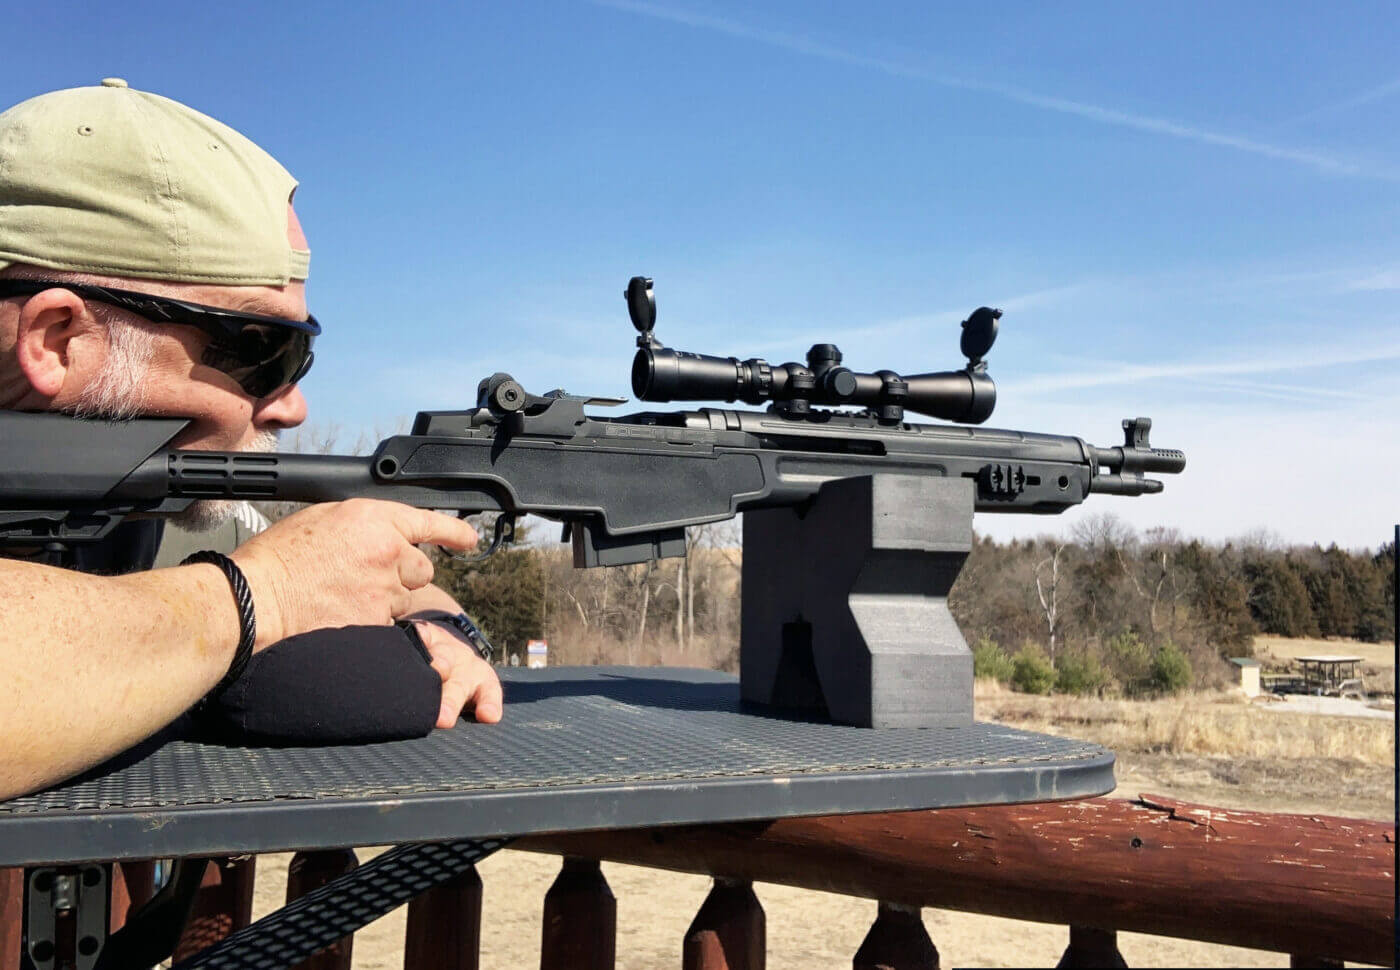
{"x": 120, "y": 182}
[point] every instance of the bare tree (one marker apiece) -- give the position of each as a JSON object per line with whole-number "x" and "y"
{"x": 645, "y": 574}
{"x": 1156, "y": 573}
{"x": 680, "y": 599}
{"x": 1102, "y": 532}
{"x": 1050, "y": 604}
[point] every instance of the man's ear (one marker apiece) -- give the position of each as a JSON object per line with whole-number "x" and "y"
{"x": 48, "y": 344}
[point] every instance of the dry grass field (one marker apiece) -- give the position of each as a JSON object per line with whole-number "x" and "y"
{"x": 1215, "y": 723}
{"x": 1213, "y": 748}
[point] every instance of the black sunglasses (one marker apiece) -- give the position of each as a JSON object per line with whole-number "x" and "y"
{"x": 263, "y": 354}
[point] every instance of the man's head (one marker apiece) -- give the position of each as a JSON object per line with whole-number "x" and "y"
{"x": 107, "y": 191}
{"x": 108, "y": 187}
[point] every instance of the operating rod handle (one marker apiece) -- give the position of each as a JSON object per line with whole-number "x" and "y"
{"x": 1124, "y": 485}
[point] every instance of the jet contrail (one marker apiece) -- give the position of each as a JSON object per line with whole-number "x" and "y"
{"x": 1160, "y": 126}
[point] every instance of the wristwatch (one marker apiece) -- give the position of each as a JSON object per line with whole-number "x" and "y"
{"x": 464, "y": 625}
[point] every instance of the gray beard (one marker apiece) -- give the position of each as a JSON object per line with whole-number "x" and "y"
{"x": 206, "y": 515}
{"x": 117, "y": 393}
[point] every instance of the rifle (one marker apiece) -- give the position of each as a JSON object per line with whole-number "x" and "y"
{"x": 625, "y": 487}
{"x": 856, "y": 521}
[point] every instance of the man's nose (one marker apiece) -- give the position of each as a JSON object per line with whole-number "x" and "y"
{"x": 284, "y": 409}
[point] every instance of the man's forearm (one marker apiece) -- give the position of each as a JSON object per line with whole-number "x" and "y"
{"x": 91, "y": 665}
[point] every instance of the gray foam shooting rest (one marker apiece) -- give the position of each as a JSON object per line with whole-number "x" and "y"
{"x": 845, "y": 603}
{"x": 579, "y": 748}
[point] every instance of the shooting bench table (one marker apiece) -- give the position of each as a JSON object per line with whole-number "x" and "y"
{"x": 578, "y": 749}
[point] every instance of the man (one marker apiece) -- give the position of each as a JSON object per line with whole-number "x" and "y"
{"x": 113, "y": 203}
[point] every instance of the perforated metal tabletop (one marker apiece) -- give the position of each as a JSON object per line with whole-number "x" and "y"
{"x": 579, "y": 748}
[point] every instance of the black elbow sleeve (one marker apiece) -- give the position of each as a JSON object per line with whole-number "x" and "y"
{"x": 351, "y": 685}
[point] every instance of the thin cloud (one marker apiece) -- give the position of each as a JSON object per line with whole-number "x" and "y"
{"x": 1139, "y": 373}
{"x": 1385, "y": 280}
{"x": 932, "y": 321}
{"x": 1326, "y": 164}
{"x": 1282, "y": 392}
{"x": 1346, "y": 104}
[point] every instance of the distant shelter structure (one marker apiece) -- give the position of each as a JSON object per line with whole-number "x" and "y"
{"x": 1331, "y": 674}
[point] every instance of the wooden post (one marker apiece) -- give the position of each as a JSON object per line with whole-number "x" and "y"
{"x": 11, "y": 915}
{"x": 133, "y": 883}
{"x": 1301, "y": 884}
{"x": 309, "y": 871}
{"x": 580, "y": 919}
{"x": 729, "y": 932}
{"x": 223, "y": 904}
{"x": 897, "y": 941}
{"x": 1091, "y": 947}
{"x": 444, "y": 926}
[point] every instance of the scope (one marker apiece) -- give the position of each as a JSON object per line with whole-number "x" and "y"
{"x": 661, "y": 374}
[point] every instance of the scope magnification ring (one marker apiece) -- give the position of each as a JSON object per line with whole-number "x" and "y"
{"x": 762, "y": 377}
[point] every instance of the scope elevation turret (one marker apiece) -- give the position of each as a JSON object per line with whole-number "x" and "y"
{"x": 661, "y": 374}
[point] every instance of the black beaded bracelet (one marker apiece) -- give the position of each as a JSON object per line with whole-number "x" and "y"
{"x": 247, "y": 619}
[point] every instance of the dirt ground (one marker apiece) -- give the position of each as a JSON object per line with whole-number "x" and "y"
{"x": 1334, "y": 706}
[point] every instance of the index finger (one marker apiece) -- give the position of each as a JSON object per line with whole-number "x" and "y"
{"x": 421, "y": 525}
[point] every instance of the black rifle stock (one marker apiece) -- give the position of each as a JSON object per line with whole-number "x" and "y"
{"x": 627, "y": 486}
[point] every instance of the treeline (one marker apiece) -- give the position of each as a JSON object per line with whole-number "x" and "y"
{"x": 1111, "y": 609}
{"x": 1322, "y": 592}
{"x": 1106, "y": 610}
{"x": 676, "y": 611}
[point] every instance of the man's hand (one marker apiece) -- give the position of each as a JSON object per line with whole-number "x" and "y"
{"x": 467, "y": 680}
{"x": 350, "y": 563}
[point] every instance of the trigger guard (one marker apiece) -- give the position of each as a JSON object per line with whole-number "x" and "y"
{"x": 502, "y": 535}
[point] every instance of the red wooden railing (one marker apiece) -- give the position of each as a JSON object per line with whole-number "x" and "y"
{"x": 1316, "y": 887}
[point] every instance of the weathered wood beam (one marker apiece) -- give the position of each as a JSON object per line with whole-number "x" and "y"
{"x": 1090, "y": 947}
{"x": 897, "y": 941}
{"x": 580, "y": 919}
{"x": 730, "y": 931}
{"x": 444, "y": 925}
{"x": 11, "y": 916}
{"x": 133, "y": 884}
{"x": 309, "y": 871}
{"x": 1287, "y": 883}
{"x": 223, "y": 905}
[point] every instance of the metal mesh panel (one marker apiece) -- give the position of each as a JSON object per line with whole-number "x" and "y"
{"x": 562, "y": 727}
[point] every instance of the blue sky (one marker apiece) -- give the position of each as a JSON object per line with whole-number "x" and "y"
{"x": 1191, "y": 212}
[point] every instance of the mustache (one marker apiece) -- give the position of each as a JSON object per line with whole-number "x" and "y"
{"x": 263, "y": 442}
